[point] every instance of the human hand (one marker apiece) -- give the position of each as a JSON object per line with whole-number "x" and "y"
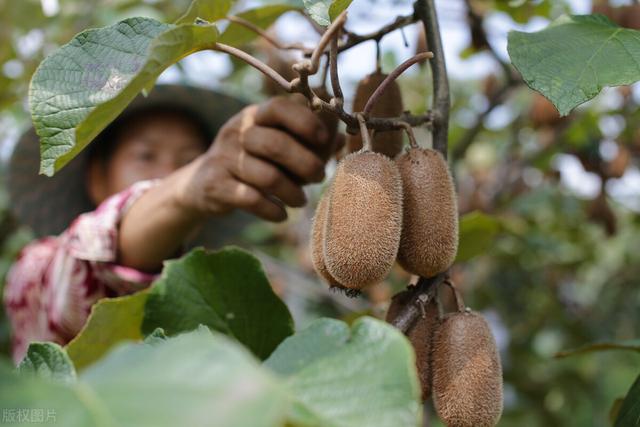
{"x": 258, "y": 162}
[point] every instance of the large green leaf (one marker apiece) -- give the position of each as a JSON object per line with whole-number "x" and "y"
{"x": 325, "y": 11}
{"x": 359, "y": 377}
{"x": 30, "y": 400}
{"x": 207, "y": 10}
{"x": 225, "y": 290}
{"x": 629, "y": 414}
{"x": 48, "y": 360}
{"x": 80, "y": 88}
{"x": 112, "y": 320}
{"x": 633, "y": 345}
{"x": 194, "y": 379}
{"x": 263, "y": 17}
{"x": 571, "y": 60}
{"x": 477, "y": 232}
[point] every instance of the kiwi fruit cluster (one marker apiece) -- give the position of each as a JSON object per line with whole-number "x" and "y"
{"x": 457, "y": 361}
{"x": 378, "y": 210}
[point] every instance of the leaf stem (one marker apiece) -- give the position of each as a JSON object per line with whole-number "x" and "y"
{"x": 265, "y": 35}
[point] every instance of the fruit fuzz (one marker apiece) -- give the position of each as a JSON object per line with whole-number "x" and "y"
{"x": 364, "y": 220}
{"x": 429, "y": 241}
{"x": 317, "y": 240}
{"x": 388, "y": 143}
{"x": 420, "y": 336}
{"x": 467, "y": 374}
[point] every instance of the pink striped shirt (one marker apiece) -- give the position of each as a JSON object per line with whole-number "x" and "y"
{"x": 51, "y": 287}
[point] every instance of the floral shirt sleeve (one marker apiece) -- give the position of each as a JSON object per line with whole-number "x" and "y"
{"x": 55, "y": 281}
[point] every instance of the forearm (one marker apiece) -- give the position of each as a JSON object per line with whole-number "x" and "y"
{"x": 155, "y": 227}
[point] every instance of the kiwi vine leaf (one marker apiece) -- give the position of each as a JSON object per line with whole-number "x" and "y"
{"x": 183, "y": 380}
{"x": 48, "y": 360}
{"x": 571, "y": 60}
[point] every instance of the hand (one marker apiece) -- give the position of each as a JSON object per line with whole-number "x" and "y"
{"x": 258, "y": 162}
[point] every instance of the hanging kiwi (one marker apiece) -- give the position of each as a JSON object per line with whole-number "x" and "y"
{"x": 420, "y": 336}
{"x": 467, "y": 374}
{"x": 390, "y": 104}
{"x": 429, "y": 241}
{"x": 364, "y": 220}
{"x": 543, "y": 113}
{"x": 317, "y": 240}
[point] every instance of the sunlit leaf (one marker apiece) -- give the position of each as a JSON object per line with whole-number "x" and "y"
{"x": 263, "y": 17}
{"x": 208, "y": 10}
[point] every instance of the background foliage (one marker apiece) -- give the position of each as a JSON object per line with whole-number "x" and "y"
{"x": 552, "y": 264}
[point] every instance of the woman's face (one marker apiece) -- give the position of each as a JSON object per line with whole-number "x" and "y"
{"x": 149, "y": 147}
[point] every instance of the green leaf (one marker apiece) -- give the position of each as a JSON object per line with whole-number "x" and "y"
{"x": 629, "y": 415}
{"x": 318, "y": 10}
{"x": 83, "y": 86}
{"x": 48, "y": 360}
{"x": 477, "y": 232}
{"x": 226, "y": 291}
{"x": 44, "y": 402}
{"x": 195, "y": 379}
{"x": 571, "y": 60}
{"x": 360, "y": 377}
{"x": 112, "y": 320}
{"x": 337, "y": 7}
{"x": 633, "y": 345}
{"x": 208, "y": 10}
{"x": 263, "y": 17}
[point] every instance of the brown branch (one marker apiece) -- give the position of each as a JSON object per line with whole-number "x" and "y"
{"x": 333, "y": 70}
{"x": 422, "y": 293}
{"x": 265, "y": 35}
{"x": 391, "y": 78}
{"x": 256, "y": 63}
{"x": 355, "y": 39}
{"x": 332, "y": 31}
{"x": 426, "y": 10}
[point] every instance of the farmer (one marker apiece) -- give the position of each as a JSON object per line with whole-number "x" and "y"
{"x": 173, "y": 161}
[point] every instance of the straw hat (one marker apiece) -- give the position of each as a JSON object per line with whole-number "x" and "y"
{"x": 48, "y": 205}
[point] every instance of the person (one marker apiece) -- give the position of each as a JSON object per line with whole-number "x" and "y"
{"x": 152, "y": 179}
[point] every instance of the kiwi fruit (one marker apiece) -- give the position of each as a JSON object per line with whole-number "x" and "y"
{"x": 429, "y": 241}
{"x": 317, "y": 240}
{"x": 390, "y": 104}
{"x": 420, "y": 336}
{"x": 364, "y": 220}
{"x": 467, "y": 374}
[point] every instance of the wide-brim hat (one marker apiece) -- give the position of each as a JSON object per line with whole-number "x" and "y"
{"x": 49, "y": 204}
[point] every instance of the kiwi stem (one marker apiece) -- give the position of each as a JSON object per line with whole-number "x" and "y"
{"x": 456, "y": 295}
{"x": 366, "y": 137}
{"x": 333, "y": 70}
{"x": 256, "y": 63}
{"x": 392, "y": 77}
{"x": 412, "y": 138}
{"x": 265, "y": 35}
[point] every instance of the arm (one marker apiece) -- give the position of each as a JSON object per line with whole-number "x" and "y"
{"x": 258, "y": 162}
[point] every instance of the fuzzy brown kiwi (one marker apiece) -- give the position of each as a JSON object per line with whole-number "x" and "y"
{"x": 390, "y": 104}
{"x": 317, "y": 240}
{"x": 364, "y": 220}
{"x": 430, "y": 218}
{"x": 420, "y": 336}
{"x": 467, "y": 373}
{"x": 543, "y": 113}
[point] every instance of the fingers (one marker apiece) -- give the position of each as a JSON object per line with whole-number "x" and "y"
{"x": 268, "y": 179}
{"x": 280, "y": 148}
{"x": 245, "y": 197}
{"x": 295, "y": 118}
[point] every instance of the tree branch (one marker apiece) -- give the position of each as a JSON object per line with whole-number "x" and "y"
{"x": 355, "y": 39}
{"x": 265, "y": 35}
{"x": 426, "y": 10}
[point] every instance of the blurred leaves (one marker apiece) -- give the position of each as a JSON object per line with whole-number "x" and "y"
{"x": 629, "y": 413}
{"x": 263, "y": 17}
{"x": 633, "y": 345}
{"x": 477, "y": 233}
{"x": 49, "y": 361}
{"x": 207, "y": 10}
